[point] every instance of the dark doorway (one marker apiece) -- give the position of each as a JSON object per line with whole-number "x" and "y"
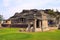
{"x": 37, "y": 23}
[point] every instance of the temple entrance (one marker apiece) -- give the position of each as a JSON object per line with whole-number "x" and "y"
{"x": 38, "y": 23}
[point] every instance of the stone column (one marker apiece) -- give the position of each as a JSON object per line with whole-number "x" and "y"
{"x": 44, "y": 21}
{"x": 44, "y": 25}
{"x": 0, "y": 25}
{"x": 9, "y": 23}
{"x": 28, "y": 29}
{"x": 34, "y": 27}
{"x": 40, "y": 24}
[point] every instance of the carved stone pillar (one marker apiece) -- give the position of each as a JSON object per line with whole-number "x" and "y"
{"x": 28, "y": 29}
{"x": 44, "y": 21}
{"x": 40, "y": 24}
{"x": 34, "y": 27}
{"x": 44, "y": 25}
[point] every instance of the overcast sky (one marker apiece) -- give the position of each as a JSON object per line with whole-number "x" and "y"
{"x": 9, "y": 7}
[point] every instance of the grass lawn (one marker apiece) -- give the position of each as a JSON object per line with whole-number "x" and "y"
{"x": 14, "y": 34}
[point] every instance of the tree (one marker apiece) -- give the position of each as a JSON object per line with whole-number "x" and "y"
{"x": 1, "y": 17}
{"x": 52, "y": 13}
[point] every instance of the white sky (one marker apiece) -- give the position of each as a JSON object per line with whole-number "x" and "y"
{"x": 9, "y": 7}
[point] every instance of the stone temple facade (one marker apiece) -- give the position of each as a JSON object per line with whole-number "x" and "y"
{"x": 32, "y": 20}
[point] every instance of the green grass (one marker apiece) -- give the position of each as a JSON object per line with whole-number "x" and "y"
{"x": 14, "y": 34}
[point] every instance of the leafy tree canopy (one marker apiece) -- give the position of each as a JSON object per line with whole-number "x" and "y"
{"x": 1, "y": 17}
